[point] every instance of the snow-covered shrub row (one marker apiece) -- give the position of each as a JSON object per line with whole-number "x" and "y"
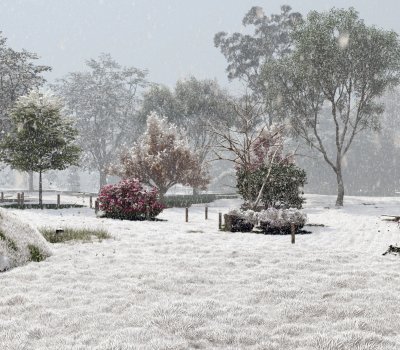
{"x": 19, "y": 242}
{"x": 249, "y": 216}
{"x": 129, "y": 200}
{"x": 275, "y": 217}
{"x": 282, "y": 217}
{"x": 274, "y": 221}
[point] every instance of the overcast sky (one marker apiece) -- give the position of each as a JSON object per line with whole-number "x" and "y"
{"x": 170, "y": 38}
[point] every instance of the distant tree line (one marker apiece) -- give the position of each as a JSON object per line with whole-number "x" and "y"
{"x": 326, "y": 78}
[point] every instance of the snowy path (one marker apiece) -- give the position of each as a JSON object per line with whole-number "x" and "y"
{"x": 177, "y": 285}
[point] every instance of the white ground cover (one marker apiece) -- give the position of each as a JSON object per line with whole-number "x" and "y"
{"x": 177, "y": 285}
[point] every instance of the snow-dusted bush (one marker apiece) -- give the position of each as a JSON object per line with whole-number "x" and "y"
{"x": 271, "y": 220}
{"x": 239, "y": 220}
{"x": 249, "y": 216}
{"x": 19, "y": 242}
{"x": 129, "y": 200}
{"x": 279, "y": 221}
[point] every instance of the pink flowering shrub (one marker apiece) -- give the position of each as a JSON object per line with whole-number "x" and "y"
{"x": 129, "y": 200}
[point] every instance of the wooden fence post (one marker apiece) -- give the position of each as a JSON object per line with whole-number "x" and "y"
{"x": 206, "y": 212}
{"x": 220, "y": 221}
{"x": 293, "y": 232}
{"x": 58, "y": 200}
{"x": 2, "y": 196}
{"x": 91, "y": 202}
{"x": 18, "y": 198}
{"x": 96, "y": 206}
{"x": 22, "y": 198}
{"x": 186, "y": 214}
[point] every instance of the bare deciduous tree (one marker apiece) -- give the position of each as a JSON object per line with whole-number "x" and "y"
{"x": 250, "y": 141}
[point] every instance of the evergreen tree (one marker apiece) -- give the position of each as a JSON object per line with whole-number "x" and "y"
{"x": 41, "y": 138}
{"x": 282, "y": 189}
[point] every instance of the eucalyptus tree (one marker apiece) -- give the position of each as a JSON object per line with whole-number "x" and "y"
{"x": 247, "y": 53}
{"x": 192, "y": 105}
{"x": 104, "y": 101}
{"x": 329, "y": 86}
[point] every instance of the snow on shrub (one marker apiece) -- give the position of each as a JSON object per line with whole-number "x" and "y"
{"x": 19, "y": 242}
{"x": 240, "y": 220}
{"x": 282, "y": 217}
{"x": 249, "y": 216}
{"x": 272, "y": 220}
{"x": 275, "y": 217}
{"x": 129, "y": 200}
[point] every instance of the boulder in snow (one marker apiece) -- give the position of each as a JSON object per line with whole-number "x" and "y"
{"x": 19, "y": 242}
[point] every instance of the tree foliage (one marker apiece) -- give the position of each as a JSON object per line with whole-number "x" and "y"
{"x": 270, "y": 177}
{"x": 257, "y": 151}
{"x": 41, "y": 137}
{"x": 18, "y": 75}
{"x": 333, "y": 77}
{"x": 191, "y": 105}
{"x": 104, "y": 101}
{"x": 282, "y": 189}
{"x": 248, "y": 53}
{"x": 162, "y": 158}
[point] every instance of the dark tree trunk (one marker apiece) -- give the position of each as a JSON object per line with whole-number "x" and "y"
{"x": 30, "y": 182}
{"x": 161, "y": 193}
{"x": 103, "y": 179}
{"x": 40, "y": 190}
{"x": 340, "y": 188}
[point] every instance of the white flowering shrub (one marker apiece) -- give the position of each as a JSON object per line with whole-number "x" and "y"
{"x": 19, "y": 242}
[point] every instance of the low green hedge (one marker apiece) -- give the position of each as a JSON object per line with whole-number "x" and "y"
{"x": 186, "y": 200}
{"x": 183, "y": 201}
{"x": 45, "y": 206}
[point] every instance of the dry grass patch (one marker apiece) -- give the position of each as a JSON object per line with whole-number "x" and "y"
{"x": 73, "y": 234}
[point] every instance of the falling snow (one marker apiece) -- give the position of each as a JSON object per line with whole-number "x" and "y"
{"x": 284, "y": 119}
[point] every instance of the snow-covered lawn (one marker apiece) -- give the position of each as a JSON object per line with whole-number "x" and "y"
{"x": 177, "y": 285}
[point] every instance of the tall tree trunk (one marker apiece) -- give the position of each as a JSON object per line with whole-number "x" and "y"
{"x": 161, "y": 193}
{"x": 195, "y": 191}
{"x": 40, "y": 190}
{"x": 340, "y": 188}
{"x": 103, "y": 178}
{"x": 30, "y": 182}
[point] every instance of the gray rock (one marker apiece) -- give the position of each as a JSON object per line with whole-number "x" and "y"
{"x": 4, "y": 263}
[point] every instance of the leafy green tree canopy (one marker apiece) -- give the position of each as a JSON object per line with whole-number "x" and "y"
{"x": 41, "y": 137}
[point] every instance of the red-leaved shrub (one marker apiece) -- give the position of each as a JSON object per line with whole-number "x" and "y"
{"x": 129, "y": 200}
